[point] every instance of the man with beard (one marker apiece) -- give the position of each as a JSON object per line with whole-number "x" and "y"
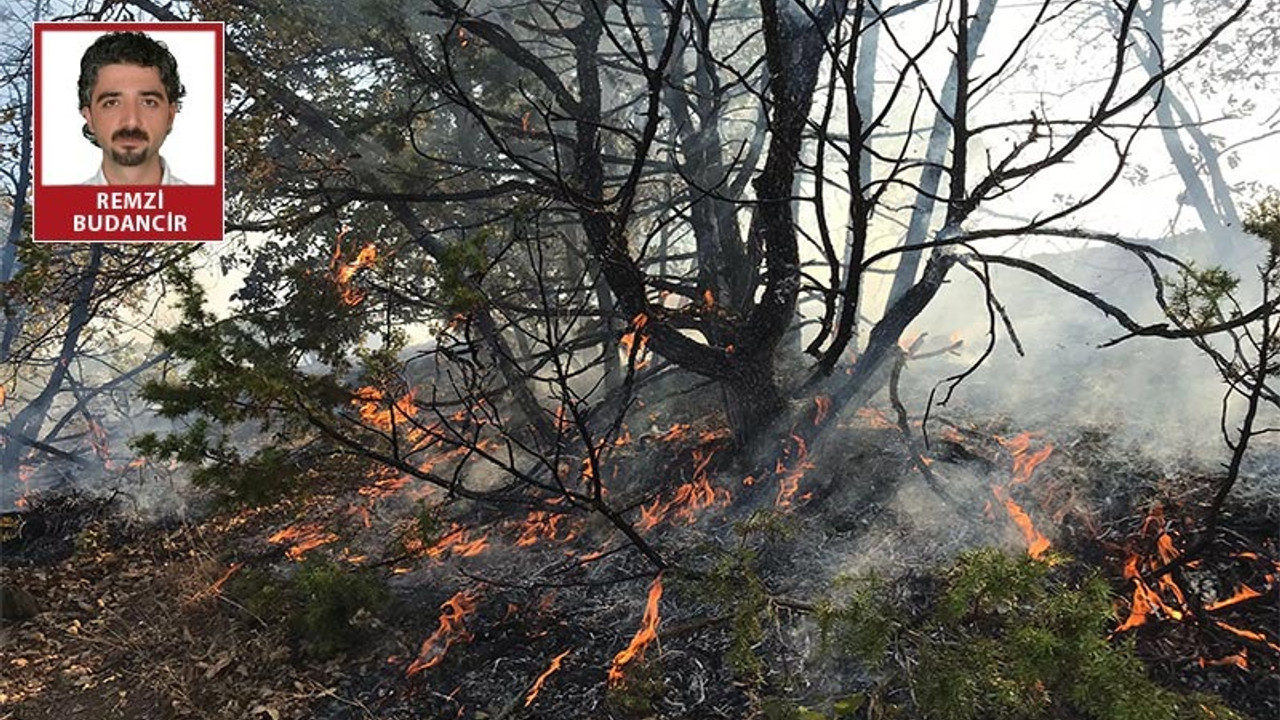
{"x": 129, "y": 95}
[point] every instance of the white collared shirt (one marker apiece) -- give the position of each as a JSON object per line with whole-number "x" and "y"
{"x": 166, "y": 177}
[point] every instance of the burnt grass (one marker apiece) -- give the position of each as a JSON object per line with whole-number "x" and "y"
{"x": 146, "y": 621}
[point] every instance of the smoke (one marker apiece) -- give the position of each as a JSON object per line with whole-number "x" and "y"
{"x": 1164, "y": 397}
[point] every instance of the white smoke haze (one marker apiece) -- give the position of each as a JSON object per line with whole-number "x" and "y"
{"x": 1164, "y": 395}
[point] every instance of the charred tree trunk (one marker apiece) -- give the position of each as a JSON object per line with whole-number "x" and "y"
{"x": 752, "y": 399}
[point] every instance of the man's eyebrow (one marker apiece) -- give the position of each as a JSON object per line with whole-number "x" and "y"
{"x": 108, "y": 94}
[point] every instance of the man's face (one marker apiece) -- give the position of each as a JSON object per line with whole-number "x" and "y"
{"x": 129, "y": 113}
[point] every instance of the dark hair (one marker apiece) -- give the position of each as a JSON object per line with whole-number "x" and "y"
{"x": 128, "y": 48}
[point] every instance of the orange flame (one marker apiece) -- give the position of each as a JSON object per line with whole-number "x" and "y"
{"x": 537, "y": 685}
{"x": 543, "y": 525}
{"x": 708, "y": 299}
{"x": 875, "y": 418}
{"x": 637, "y": 334}
{"x": 216, "y": 587}
{"x": 452, "y": 629}
{"x": 789, "y": 479}
{"x": 1024, "y": 462}
{"x": 689, "y": 498}
{"x": 647, "y": 634}
{"x": 100, "y": 444}
{"x": 1248, "y": 634}
{"x": 343, "y": 272}
{"x": 1242, "y": 593}
{"x": 1148, "y": 600}
{"x": 823, "y": 404}
{"x": 305, "y": 538}
{"x": 454, "y": 543}
{"x": 377, "y": 412}
{"x": 676, "y": 432}
{"x": 1037, "y": 543}
{"x": 1240, "y": 660}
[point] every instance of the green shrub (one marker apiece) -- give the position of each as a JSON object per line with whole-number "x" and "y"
{"x": 1007, "y": 638}
{"x": 318, "y": 605}
{"x": 637, "y": 696}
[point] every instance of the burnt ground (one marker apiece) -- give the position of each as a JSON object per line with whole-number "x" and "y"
{"x": 143, "y": 621}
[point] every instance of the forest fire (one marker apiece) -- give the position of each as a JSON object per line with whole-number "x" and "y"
{"x": 454, "y": 543}
{"x": 216, "y": 587}
{"x": 822, "y": 407}
{"x": 343, "y": 272}
{"x": 789, "y": 478}
{"x": 305, "y": 538}
{"x": 544, "y": 525}
{"x": 452, "y": 630}
{"x": 634, "y": 341}
{"x": 1025, "y": 463}
{"x": 875, "y": 418}
{"x": 1037, "y": 543}
{"x": 537, "y": 684}
{"x": 689, "y": 498}
{"x": 644, "y": 637}
{"x": 375, "y": 411}
{"x": 1161, "y": 591}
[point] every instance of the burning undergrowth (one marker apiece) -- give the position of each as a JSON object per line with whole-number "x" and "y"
{"x": 552, "y": 613}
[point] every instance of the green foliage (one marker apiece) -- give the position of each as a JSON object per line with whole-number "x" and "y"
{"x": 1007, "y": 639}
{"x": 320, "y": 604}
{"x": 734, "y": 584}
{"x": 854, "y": 620}
{"x": 637, "y": 697}
{"x": 1196, "y": 295}
{"x": 271, "y": 373}
{"x": 1263, "y": 220}
{"x": 458, "y": 272}
{"x": 784, "y": 709}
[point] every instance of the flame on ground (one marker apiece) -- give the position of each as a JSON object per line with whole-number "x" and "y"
{"x": 1242, "y": 593}
{"x": 822, "y": 407}
{"x": 305, "y": 538}
{"x": 1025, "y": 463}
{"x": 375, "y": 411}
{"x": 537, "y": 684}
{"x": 216, "y": 587}
{"x": 1037, "y": 543}
{"x": 789, "y": 479}
{"x": 1164, "y": 597}
{"x": 644, "y": 637}
{"x": 689, "y": 498}
{"x": 452, "y": 630}
{"x": 1240, "y": 660}
{"x": 544, "y": 525}
{"x": 454, "y": 543}
{"x": 1248, "y": 635}
{"x": 875, "y": 418}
